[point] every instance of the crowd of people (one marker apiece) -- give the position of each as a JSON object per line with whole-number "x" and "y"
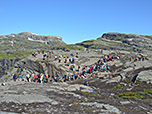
{"x": 75, "y": 71}
{"x": 140, "y": 58}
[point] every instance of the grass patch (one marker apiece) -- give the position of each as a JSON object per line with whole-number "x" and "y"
{"x": 85, "y": 93}
{"x": 10, "y": 69}
{"x": 14, "y": 55}
{"x": 119, "y": 86}
{"x": 136, "y": 95}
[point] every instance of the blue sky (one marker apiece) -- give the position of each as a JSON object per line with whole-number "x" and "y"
{"x": 76, "y": 20}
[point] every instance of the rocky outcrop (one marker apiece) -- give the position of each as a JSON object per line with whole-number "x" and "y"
{"x": 33, "y": 37}
{"x": 46, "y": 67}
{"x": 26, "y": 41}
{"x": 119, "y": 36}
{"x": 120, "y": 42}
{"x": 136, "y": 41}
{"x": 6, "y": 64}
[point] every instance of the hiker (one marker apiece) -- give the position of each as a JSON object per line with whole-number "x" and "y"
{"x": 143, "y": 58}
{"x": 52, "y": 78}
{"x": 65, "y": 61}
{"x": 107, "y": 66}
{"x": 20, "y": 77}
{"x": 67, "y": 64}
{"x": 47, "y": 77}
{"x": 72, "y": 60}
{"x": 38, "y": 77}
{"x": 14, "y": 77}
{"x": 27, "y": 77}
{"x": 71, "y": 67}
{"x": 104, "y": 68}
{"x": 86, "y": 83}
{"x": 69, "y": 77}
{"x": 34, "y": 77}
{"x": 41, "y": 78}
{"x": 33, "y": 54}
{"x": 59, "y": 60}
{"x": 56, "y": 58}
{"x": 42, "y": 51}
{"x": 78, "y": 68}
{"x": 58, "y": 77}
{"x": 65, "y": 78}
{"x": 139, "y": 58}
{"x": 73, "y": 76}
{"x": 136, "y": 59}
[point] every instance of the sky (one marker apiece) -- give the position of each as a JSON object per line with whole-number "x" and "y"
{"x": 76, "y": 20}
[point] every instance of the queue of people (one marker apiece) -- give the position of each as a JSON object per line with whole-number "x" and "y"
{"x": 76, "y": 71}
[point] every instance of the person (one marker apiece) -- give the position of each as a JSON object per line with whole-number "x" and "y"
{"x": 58, "y": 77}
{"x": 86, "y": 83}
{"x": 143, "y": 58}
{"x": 52, "y": 78}
{"x": 47, "y": 77}
{"x": 136, "y": 59}
{"x": 65, "y": 78}
{"x": 34, "y": 76}
{"x": 14, "y": 77}
{"x": 27, "y": 77}
{"x": 59, "y": 60}
{"x": 56, "y": 58}
{"x": 41, "y": 78}
{"x": 20, "y": 77}
{"x": 38, "y": 77}
{"x": 65, "y": 61}
{"x": 139, "y": 58}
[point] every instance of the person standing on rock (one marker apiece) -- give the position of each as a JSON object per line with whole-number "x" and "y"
{"x": 27, "y": 76}
{"x": 14, "y": 77}
{"x": 41, "y": 78}
{"x": 20, "y": 77}
{"x": 143, "y": 58}
{"x": 52, "y": 78}
{"x": 34, "y": 76}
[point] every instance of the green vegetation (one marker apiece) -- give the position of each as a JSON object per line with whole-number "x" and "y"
{"x": 119, "y": 86}
{"x": 148, "y": 36}
{"x": 85, "y": 93}
{"x": 17, "y": 54}
{"x": 10, "y": 69}
{"x": 70, "y": 47}
{"x": 136, "y": 95}
{"x": 2, "y": 55}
